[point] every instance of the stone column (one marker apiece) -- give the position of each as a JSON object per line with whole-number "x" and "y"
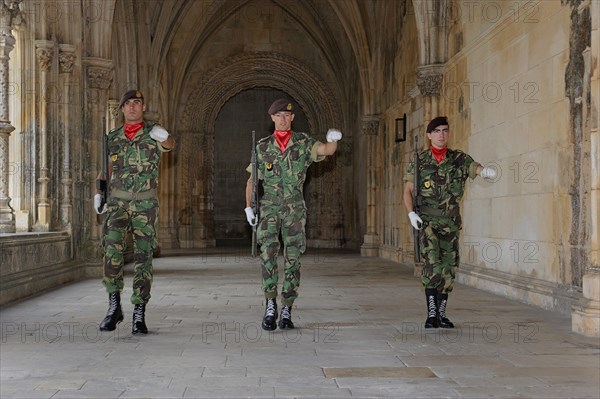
{"x": 44, "y": 51}
{"x": 370, "y": 129}
{"x": 66, "y": 61}
{"x": 99, "y": 78}
{"x": 585, "y": 316}
{"x": 429, "y": 82}
{"x": 113, "y": 115}
{"x": 9, "y": 11}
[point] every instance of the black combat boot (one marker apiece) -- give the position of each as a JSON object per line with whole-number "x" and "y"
{"x": 285, "y": 320}
{"x": 139, "y": 320}
{"x": 442, "y": 302}
{"x": 432, "y": 311}
{"x": 114, "y": 314}
{"x": 269, "y": 322}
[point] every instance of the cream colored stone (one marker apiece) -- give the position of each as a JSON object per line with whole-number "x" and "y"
{"x": 553, "y": 33}
{"x": 591, "y": 286}
{"x": 586, "y": 321}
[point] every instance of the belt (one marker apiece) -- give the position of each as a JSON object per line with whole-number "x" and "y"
{"x": 127, "y": 195}
{"x": 453, "y": 212}
{"x": 280, "y": 198}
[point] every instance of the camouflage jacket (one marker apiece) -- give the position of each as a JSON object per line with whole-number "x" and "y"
{"x": 283, "y": 173}
{"x": 134, "y": 164}
{"x": 443, "y": 185}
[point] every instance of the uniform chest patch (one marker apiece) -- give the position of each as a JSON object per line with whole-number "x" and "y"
{"x": 114, "y": 157}
{"x": 269, "y": 166}
{"x": 427, "y": 184}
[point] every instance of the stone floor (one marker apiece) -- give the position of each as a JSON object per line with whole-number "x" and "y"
{"x": 359, "y": 335}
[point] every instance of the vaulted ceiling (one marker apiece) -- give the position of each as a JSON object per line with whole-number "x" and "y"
{"x": 182, "y": 39}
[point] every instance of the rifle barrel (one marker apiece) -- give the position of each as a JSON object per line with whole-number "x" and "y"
{"x": 416, "y": 200}
{"x": 254, "y": 196}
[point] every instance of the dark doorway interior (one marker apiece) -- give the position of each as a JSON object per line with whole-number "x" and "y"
{"x": 243, "y": 113}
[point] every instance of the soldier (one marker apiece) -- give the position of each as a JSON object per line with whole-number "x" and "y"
{"x": 134, "y": 151}
{"x": 442, "y": 176}
{"x": 283, "y": 159}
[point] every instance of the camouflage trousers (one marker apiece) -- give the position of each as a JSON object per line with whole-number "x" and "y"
{"x": 290, "y": 221}
{"x": 138, "y": 218}
{"x": 439, "y": 251}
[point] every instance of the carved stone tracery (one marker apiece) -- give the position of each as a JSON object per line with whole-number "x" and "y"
{"x": 10, "y": 15}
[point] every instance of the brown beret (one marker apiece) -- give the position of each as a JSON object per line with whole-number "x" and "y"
{"x": 129, "y": 95}
{"x": 281, "y": 105}
{"x": 435, "y": 122}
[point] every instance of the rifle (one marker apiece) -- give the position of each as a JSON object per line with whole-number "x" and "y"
{"x": 102, "y": 181}
{"x": 417, "y": 200}
{"x": 254, "y": 196}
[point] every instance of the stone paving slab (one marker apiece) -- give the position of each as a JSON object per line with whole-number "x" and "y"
{"x": 359, "y": 335}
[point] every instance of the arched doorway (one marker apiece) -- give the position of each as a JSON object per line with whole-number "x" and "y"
{"x": 242, "y": 113}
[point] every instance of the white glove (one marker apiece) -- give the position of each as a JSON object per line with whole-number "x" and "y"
{"x": 250, "y": 217}
{"x": 488, "y": 173}
{"x": 333, "y": 135}
{"x": 415, "y": 220}
{"x": 159, "y": 133}
{"x": 97, "y": 201}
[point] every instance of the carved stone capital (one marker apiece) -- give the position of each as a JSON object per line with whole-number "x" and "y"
{"x": 44, "y": 51}
{"x": 429, "y": 79}
{"x": 370, "y": 125}
{"x": 113, "y": 109}
{"x": 99, "y": 73}
{"x": 66, "y": 58}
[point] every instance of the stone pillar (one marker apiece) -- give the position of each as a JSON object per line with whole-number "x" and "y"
{"x": 370, "y": 129}
{"x": 66, "y": 61}
{"x": 44, "y": 51}
{"x": 8, "y": 12}
{"x": 99, "y": 78}
{"x": 429, "y": 82}
{"x": 113, "y": 115}
{"x": 585, "y": 316}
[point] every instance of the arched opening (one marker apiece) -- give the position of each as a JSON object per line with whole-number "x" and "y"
{"x": 242, "y": 113}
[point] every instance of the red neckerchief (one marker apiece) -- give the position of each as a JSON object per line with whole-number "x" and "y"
{"x": 282, "y": 137}
{"x": 131, "y": 130}
{"x": 439, "y": 154}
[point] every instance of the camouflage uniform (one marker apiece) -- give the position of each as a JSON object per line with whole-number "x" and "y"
{"x": 282, "y": 209}
{"x": 132, "y": 206}
{"x": 441, "y": 188}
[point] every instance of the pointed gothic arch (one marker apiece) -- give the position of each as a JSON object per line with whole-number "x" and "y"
{"x": 196, "y": 165}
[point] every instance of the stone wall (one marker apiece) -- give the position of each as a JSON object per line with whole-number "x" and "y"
{"x": 36, "y": 262}
{"x": 505, "y": 90}
{"x": 512, "y": 113}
